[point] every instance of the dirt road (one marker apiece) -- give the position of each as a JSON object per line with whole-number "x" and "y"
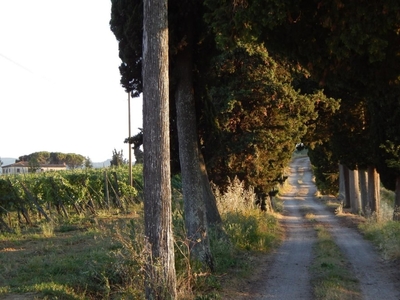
{"x": 286, "y": 272}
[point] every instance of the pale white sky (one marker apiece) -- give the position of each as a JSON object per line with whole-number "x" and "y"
{"x": 59, "y": 80}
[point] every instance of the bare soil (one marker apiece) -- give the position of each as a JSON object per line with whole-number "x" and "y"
{"x": 285, "y": 273}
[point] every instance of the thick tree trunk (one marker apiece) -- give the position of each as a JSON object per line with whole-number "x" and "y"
{"x": 342, "y": 189}
{"x": 362, "y": 175}
{"x": 160, "y": 267}
{"x": 374, "y": 197}
{"x": 347, "y": 202}
{"x": 396, "y": 212}
{"x": 189, "y": 157}
{"x": 354, "y": 192}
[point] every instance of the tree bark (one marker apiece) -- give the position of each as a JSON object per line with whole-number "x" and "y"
{"x": 189, "y": 157}
{"x": 346, "y": 172}
{"x": 374, "y": 197}
{"x": 396, "y": 212}
{"x": 362, "y": 175}
{"x": 342, "y": 188}
{"x": 354, "y": 192}
{"x": 212, "y": 213}
{"x": 160, "y": 267}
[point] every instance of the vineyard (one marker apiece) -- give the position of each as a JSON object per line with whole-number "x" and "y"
{"x": 27, "y": 199}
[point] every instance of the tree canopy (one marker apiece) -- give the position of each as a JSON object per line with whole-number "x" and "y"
{"x": 250, "y": 113}
{"x": 259, "y": 116}
{"x": 72, "y": 160}
{"x": 349, "y": 47}
{"x": 117, "y": 158}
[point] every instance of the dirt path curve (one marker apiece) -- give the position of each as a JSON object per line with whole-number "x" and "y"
{"x": 286, "y": 274}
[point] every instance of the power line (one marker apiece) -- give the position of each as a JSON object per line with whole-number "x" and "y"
{"x": 25, "y": 68}
{"x": 17, "y": 64}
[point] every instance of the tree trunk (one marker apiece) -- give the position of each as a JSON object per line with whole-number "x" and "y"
{"x": 396, "y": 212}
{"x": 189, "y": 157}
{"x": 342, "y": 188}
{"x": 347, "y": 202}
{"x": 374, "y": 197}
{"x": 160, "y": 266}
{"x": 212, "y": 213}
{"x": 354, "y": 192}
{"x": 362, "y": 175}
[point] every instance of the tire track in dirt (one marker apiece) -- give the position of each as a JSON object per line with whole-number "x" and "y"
{"x": 288, "y": 275}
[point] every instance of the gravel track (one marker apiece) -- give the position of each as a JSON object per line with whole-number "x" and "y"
{"x": 285, "y": 273}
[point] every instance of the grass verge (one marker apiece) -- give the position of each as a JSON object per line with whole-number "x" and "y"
{"x": 63, "y": 266}
{"x": 331, "y": 276}
{"x": 251, "y": 233}
{"x": 102, "y": 256}
{"x": 384, "y": 235}
{"x": 381, "y": 230}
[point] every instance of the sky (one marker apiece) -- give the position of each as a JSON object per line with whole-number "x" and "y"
{"x": 59, "y": 80}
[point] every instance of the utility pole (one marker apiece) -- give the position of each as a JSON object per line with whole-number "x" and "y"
{"x": 129, "y": 138}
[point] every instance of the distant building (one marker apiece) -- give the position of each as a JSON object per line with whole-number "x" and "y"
{"x": 22, "y": 167}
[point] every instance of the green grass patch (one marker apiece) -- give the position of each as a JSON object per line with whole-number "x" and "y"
{"x": 331, "y": 277}
{"x": 67, "y": 266}
{"x": 385, "y": 235}
{"x": 252, "y": 230}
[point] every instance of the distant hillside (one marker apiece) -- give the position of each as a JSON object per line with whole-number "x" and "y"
{"x": 103, "y": 164}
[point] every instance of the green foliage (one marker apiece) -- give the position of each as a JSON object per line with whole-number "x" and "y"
{"x": 325, "y": 169}
{"x": 246, "y": 226}
{"x": 88, "y": 163}
{"x": 250, "y": 107}
{"x": 259, "y": 117}
{"x": 251, "y": 231}
{"x": 242, "y": 21}
{"x": 394, "y": 151}
{"x": 72, "y": 160}
{"x": 126, "y": 23}
{"x": 117, "y": 158}
{"x": 34, "y": 165}
{"x": 350, "y": 48}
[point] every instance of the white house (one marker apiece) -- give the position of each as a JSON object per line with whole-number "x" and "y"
{"x": 22, "y": 167}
